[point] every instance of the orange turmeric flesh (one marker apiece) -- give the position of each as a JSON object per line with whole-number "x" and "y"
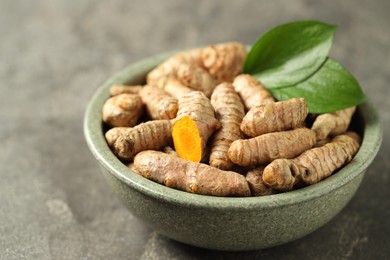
{"x": 193, "y": 126}
{"x": 186, "y": 135}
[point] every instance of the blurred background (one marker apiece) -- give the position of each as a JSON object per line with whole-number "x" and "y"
{"x": 54, "y": 202}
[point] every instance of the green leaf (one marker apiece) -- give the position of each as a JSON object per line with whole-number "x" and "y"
{"x": 331, "y": 88}
{"x": 289, "y": 53}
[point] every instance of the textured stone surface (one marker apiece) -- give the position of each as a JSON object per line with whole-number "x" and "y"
{"x": 55, "y": 203}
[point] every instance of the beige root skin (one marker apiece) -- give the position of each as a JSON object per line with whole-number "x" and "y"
{"x": 185, "y": 69}
{"x": 251, "y": 91}
{"x": 159, "y": 104}
{"x": 194, "y": 125}
{"x": 333, "y": 123}
{"x": 126, "y": 142}
{"x": 170, "y": 67}
{"x": 313, "y": 165}
{"x": 123, "y": 89}
{"x": 200, "y": 69}
{"x": 195, "y": 77}
{"x": 322, "y": 142}
{"x": 193, "y": 56}
{"x": 122, "y": 110}
{"x": 229, "y": 111}
{"x": 169, "y": 150}
{"x": 224, "y": 61}
{"x": 189, "y": 176}
{"x": 114, "y": 133}
{"x": 275, "y": 117}
{"x": 131, "y": 167}
{"x": 268, "y": 147}
{"x": 256, "y": 183}
{"x": 173, "y": 87}
{"x": 167, "y": 69}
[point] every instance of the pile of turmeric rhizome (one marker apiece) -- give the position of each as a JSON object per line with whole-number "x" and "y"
{"x": 201, "y": 126}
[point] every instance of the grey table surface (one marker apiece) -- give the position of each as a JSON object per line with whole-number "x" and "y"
{"x": 55, "y": 203}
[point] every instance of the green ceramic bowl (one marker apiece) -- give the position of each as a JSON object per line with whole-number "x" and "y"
{"x": 228, "y": 223}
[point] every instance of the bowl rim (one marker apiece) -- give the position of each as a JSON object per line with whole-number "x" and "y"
{"x": 93, "y": 132}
